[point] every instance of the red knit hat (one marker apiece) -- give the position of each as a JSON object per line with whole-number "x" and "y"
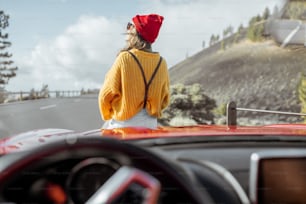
{"x": 148, "y": 26}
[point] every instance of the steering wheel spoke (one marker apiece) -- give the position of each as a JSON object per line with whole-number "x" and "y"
{"x": 124, "y": 180}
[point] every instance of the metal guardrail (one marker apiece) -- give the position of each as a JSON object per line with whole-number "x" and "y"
{"x": 231, "y": 113}
{"x": 33, "y": 95}
{"x": 21, "y": 95}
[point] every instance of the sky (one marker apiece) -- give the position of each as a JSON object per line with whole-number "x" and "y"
{"x": 71, "y": 44}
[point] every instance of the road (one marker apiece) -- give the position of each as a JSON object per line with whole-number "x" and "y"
{"x": 77, "y": 113}
{"x": 287, "y": 31}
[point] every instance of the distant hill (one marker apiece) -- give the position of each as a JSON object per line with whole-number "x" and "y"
{"x": 259, "y": 75}
{"x": 255, "y": 75}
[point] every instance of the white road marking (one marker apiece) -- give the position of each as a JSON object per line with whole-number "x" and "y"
{"x": 47, "y": 107}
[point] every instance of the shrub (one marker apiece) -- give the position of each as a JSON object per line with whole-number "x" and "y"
{"x": 302, "y": 94}
{"x": 3, "y": 95}
{"x": 188, "y": 106}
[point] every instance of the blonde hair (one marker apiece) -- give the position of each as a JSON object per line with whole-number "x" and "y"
{"x": 136, "y": 41}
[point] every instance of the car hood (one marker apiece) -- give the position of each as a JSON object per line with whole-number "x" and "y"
{"x": 30, "y": 139}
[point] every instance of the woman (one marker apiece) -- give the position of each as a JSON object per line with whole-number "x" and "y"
{"x": 136, "y": 88}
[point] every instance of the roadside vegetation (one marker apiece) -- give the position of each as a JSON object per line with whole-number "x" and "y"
{"x": 296, "y": 10}
{"x": 189, "y": 105}
{"x": 302, "y": 93}
{"x": 254, "y": 32}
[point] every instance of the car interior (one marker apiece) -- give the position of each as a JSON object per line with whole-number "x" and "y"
{"x": 219, "y": 169}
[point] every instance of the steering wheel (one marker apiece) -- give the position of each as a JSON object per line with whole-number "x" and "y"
{"x": 150, "y": 177}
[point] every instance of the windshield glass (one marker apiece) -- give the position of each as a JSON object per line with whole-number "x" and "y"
{"x": 59, "y": 60}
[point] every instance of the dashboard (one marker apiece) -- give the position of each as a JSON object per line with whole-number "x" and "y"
{"x": 248, "y": 170}
{"x": 252, "y": 171}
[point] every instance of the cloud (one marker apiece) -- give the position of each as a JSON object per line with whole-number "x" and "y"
{"x": 83, "y": 53}
{"x": 78, "y": 58}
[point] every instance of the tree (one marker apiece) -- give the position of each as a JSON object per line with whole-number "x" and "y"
{"x": 238, "y": 34}
{"x": 3, "y": 94}
{"x": 217, "y": 38}
{"x": 212, "y": 40}
{"x": 256, "y": 29}
{"x": 228, "y": 31}
{"x": 276, "y": 12}
{"x": 203, "y": 44}
{"x": 240, "y": 28}
{"x": 7, "y": 71}
{"x": 222, "y": 45}
{"x": 266, "y": 14}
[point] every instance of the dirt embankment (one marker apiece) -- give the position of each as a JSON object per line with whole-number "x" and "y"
{"x": 254, "y": 75}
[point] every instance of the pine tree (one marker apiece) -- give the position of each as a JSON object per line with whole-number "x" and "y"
{"x": 240, "y": 28}
{"x": 266, "y": 14}
{"x": 7, "y": 71}
{"x": 212, "y": 40}
{"x": 256, "y": 29}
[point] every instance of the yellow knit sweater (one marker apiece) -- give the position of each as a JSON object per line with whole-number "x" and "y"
{"x": 122, "y": 94}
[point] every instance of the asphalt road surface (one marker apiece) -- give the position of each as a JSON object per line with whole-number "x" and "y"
{"x": 77, "y": 113}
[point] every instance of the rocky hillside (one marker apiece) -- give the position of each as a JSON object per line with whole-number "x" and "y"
{"x": 254, "y": 75}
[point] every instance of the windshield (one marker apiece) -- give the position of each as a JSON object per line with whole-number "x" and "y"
{"x": 59, "y": 60}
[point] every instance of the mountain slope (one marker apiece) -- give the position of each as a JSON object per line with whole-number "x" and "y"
{"x": 254, "y": 75}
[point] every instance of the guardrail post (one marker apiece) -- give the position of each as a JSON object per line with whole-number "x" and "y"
{"x": 231, "y": 114}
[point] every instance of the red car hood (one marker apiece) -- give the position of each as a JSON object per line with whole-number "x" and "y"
{"x": 207, "y": 130}
{"x": 34, "y": 138}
